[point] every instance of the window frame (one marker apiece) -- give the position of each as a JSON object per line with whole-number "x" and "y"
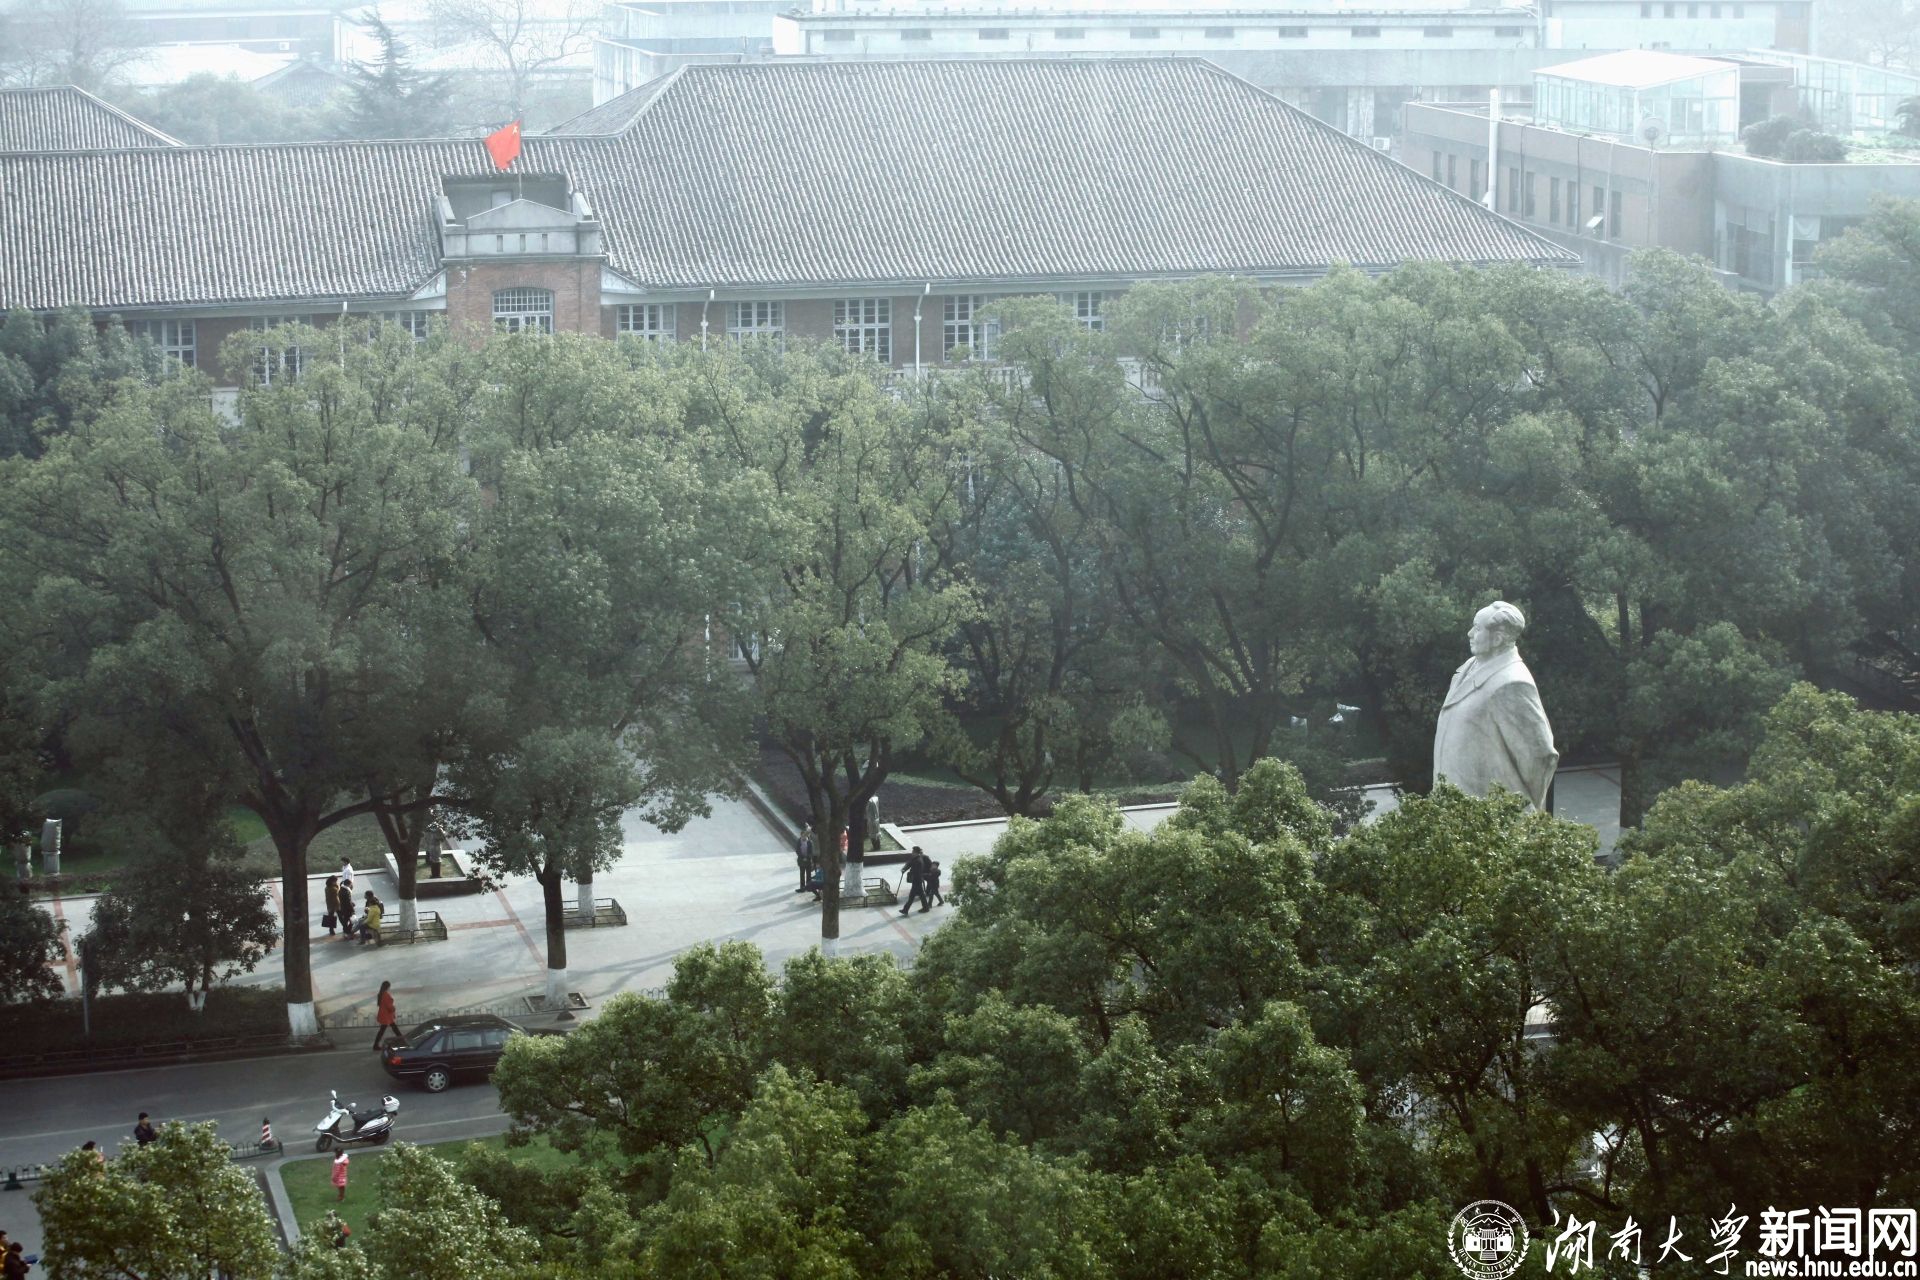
{"x": 962, "y": 325}
{"x": 757, "y": 318}
{"x": 1088, "y": 307}
{"x": 175, "y": 338}
{"x": 625, "y": 315}
{"x": 527, "y": 318}
{"x": 864, "y": 327}
{"x": 282, "y": 366}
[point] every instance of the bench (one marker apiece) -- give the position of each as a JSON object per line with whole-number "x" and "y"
{"x": 428, "y": 927}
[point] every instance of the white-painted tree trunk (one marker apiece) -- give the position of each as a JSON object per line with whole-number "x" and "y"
{"x": 850, "y": 881}
{"x": 197, "y": 1001}
{"x": 409, "y": 914}
{"x": 303, "y": 1021}
{"x": 556, "y": 988}
{"x": 585, "y": 898}
{"x": 829, "y": 947}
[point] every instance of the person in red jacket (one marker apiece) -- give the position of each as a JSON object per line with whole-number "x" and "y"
{"x": 385, "y": 1016}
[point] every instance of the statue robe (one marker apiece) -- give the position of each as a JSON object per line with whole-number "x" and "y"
{"x": 1493, "y": 730}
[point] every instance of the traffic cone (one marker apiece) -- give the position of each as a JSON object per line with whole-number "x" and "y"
{"x": 266, "y": 1134}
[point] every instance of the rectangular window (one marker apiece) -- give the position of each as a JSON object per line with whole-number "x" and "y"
{"x": 1143, "y": 33}
{"x": 173, "y": 337}
{"x": 1646, "y": 10}
{"x": 1739, "y": 11}
{"x": 1436, "y": 33}
{"x": 1573, "y": 205}
{"x": 839, "y": 37}
{"x": 916, "y": 33}
{"x": 650, "y": 320}
{"x": 1513, "y": 189}
{"x": 864, "y": 326}
{"x": 1088, "y": 308}
{"x": 1436, "y": 166}
{"x": 756, "y": 320}
{"x": 1713, "y": 11}
{"x": 416, "y": 323}
{"x": 1666, "y": 10}
{"x": 1693, "y": 11}
{"x": 283, "y": 365}
{"x": 1527, "y": 184}
{"x": 966, "y": 328}
{"x": 1292, "y": 33}
{"x": 1219, "y": 33}
{"x": 1069, "y": 33}
{"x": 523, "y": 310}
{"x": 1508, "y": 33}
{"x": 993, "y": 33}
{"x": 1453, "y": 171}
{"x": 1613, "y": 215}
{"x": 1476, "y": 178}
{"x": 1599, "y": 208}
{"x": 1553, "y": 200}
{"x": 1363, "y": 33}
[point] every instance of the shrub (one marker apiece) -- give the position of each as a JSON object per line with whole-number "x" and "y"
{"x": 1809, "y": 146}
{"x": 1769, "y": 136}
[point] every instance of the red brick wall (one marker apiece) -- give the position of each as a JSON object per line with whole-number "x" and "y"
{"x": 575, "y": 287}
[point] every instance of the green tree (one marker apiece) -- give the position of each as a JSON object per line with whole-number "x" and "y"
{"x": 57, "y": 373}
{"x": 847, "y": 644}
{"x": 30, "y": 945}
{"x": 431, "y": 1226}
{"x": 178, "y": 1207}
{"x": 231, "y": 593}
{"x": 391, "y": 98}
{"x": 187, "y": 913}
{"x": 612, "y": 535}
{"x": 208, "y": 109}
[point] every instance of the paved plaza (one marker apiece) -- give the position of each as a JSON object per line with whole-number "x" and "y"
{"x": 727, "y": 876}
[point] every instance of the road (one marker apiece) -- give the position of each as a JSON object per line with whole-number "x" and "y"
{"x": 44, "y": 1119}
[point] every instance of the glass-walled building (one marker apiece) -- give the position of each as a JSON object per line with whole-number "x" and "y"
{"x": 1642, "y": 95}
{"x": 1846, "y": 97}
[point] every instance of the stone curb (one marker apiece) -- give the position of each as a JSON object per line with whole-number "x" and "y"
{"x": 54, "y": 1070}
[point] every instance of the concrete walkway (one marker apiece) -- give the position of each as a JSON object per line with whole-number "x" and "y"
{"x": 727, "y": 876}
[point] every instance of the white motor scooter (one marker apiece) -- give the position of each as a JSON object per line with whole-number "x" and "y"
{"x": 345, "y": 1127}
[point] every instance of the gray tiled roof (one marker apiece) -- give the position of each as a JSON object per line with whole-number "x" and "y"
{"x": 779, "y": 175}
{"x": 63, "y": 118}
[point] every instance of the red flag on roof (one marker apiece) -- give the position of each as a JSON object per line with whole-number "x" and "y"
{"x": 504, "y": 145}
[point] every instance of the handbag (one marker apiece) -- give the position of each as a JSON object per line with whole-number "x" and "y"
{"x": 326, "y": 921}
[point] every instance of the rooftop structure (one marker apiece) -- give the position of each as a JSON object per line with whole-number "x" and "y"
{"x": 759, "y": 178}
{"x": 1660, "y": 98}
{"x": 63, "y": 118}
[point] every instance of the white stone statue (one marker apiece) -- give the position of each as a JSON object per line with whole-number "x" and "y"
{"x": 1492, "y": 727}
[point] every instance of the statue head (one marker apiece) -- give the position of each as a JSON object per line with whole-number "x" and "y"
{"x": 1495, "y": 628}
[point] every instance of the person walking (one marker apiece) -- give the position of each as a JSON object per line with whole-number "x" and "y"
{"x": 384, "y": 1016}
{"x": 340, "y": 1176}
{"x": 803, "y": 854}
{"x": 143, "y": 1132}
{"x": 346, "y": 909}
{"x": 930, "y": 887}
{"x": 332, "y": 915}
{"x": 16, "y": 1265}
{"x": 916, "y": 876}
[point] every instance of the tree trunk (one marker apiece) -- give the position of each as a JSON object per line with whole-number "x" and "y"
{"x": 556, "y": 938}
{"x": 295, "y": 954}
{"x": 1633, "y": 782}
{"x": 828, "y": 835}
{"x": 404, "y": 834}
{"x": 585, "y": 884}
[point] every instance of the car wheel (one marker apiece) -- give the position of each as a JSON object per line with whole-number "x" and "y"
{"x": 436, "y": 1080}
{"x": 322, "y": 1143}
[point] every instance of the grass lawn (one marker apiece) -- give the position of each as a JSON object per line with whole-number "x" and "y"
{"x": 310, "y": 1182}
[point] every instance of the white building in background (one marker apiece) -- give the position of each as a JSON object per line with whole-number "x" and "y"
{"x": 1353, "y": 65}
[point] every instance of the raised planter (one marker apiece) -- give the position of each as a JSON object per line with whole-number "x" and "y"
{"x": 457, "y": 885}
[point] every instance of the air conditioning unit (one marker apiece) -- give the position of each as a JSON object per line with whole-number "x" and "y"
{"x": 1383, "y": 144}
{"x": 286, "y": 46}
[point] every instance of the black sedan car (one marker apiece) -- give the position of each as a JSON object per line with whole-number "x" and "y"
{"x": 465, "y": 1047}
